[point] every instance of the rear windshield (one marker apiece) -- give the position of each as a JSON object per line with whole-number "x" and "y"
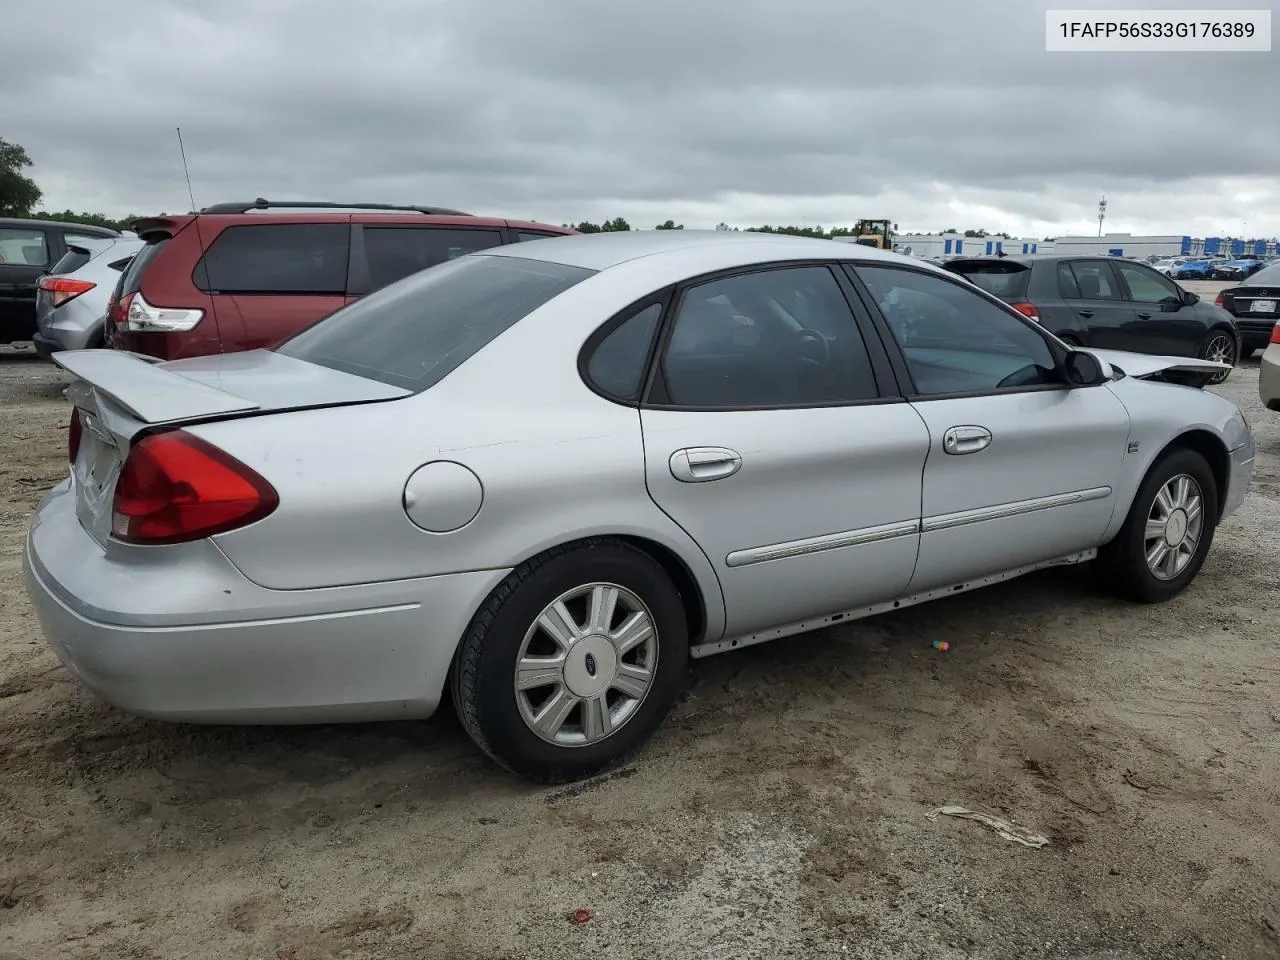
{"x": 72, "y": 260}
{"x": 1266, "y": 277}
{"x": 131, "y": 279}
{"x": 415, "y": 332}
{"x": 1006, "y": 281}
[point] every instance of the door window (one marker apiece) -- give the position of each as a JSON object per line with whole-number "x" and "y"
{"x": 524, "y": 235}
{"x": 23, "y": 247}
{"x": 617, "y": 364}
{"x": 1068, "y": 289}
{"x": 1095, "y": 280}
{"x": 395, "y": 252}
{"x": 277, "y": 258}
{"x": 1147, "y": 286}
{"x": 955, "y": 340}
{"x": 775, "y": 338}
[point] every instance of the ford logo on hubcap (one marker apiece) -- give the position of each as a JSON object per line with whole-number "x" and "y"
{"x": 590, "y": 663}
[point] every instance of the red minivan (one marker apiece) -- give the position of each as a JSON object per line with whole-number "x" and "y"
{"x": 238, "y": 276}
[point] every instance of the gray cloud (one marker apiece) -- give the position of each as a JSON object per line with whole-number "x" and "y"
{"x": 932, "y": 113}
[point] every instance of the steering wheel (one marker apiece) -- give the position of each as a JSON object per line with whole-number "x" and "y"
{"x": 806, "y": 341}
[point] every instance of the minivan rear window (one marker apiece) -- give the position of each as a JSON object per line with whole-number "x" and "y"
{"x": 415, "y": 332}
{"x": 1008, "y": 281}
{"x": 131, "y": 279}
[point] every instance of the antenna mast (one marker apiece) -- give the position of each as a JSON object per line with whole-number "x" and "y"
{"x": 191, "y": 193}
{"x": 1102, "y": 213}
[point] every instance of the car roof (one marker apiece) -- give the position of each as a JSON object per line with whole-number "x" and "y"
{"x": 87, "y": 228}
{"x": 600, "y": 251}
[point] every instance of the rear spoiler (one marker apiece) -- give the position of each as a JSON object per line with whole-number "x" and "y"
{"x": 152, "y": 394}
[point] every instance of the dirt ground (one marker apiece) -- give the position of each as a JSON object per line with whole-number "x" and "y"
{"x": 782, "y": 811}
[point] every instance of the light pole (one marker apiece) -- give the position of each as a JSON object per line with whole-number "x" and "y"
{"x": 1102, "y": 214}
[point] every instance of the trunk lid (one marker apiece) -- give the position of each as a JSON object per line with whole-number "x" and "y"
{"x": 120, "y": 396}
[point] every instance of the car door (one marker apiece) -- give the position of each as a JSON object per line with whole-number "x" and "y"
{"x": 1163, "y": 323}
{"x": 25, "y": 253}
{"x": 769, "y": 438}
{"x": 1022, "y": 469}
{"x": 1091, "y": 290}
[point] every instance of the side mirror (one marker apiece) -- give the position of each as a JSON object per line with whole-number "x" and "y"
{"x": 1085, "y": 369}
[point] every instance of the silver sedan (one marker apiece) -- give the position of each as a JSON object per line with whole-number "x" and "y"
{"x": 544, "y": 476}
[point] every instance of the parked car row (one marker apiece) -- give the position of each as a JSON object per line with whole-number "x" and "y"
{"x": 1109, "y": 302}
{"x": 544, "y": 476}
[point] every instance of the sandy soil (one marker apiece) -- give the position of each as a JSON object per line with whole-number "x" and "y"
{"x": 782, "y": 810}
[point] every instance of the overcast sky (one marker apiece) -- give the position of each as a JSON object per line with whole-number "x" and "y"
{"x": 931, "y": 113}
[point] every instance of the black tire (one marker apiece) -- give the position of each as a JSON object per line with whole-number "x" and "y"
{"x": 1247, "y": 352}
{"x": 483, "y": 679}
{"x": 1220, "y": 341}
{"x": 1122, "y": 563}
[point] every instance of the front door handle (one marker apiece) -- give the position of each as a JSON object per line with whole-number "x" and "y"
{"x": 1144, "y": 316}
{"x": 1087, "y": 314}
{"x": 970, "y": 439}
{"x": 700, "y": 464}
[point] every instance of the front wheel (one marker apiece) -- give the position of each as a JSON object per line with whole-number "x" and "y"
{"x": 1220, "y": 347}
{"x": 1168, "y": 532}
{"x": 573, "y": 661}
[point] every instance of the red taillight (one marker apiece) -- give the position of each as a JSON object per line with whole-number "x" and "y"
{"x": 118, "y": 310}
{"x": 1275, "y": 334}
{"x": 74, "y": 430}
{"x": 62, "y": 289}
{"x": 175, "y": 487}
{"x": 1219, "y": 301}
{"x": 1029, "y": 310}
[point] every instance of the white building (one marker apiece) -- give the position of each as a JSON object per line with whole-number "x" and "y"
{"x": 1109, "y": 244}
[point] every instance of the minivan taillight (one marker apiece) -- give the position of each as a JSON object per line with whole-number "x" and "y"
{"x": 175, "y": 487}
{"x": 74, "y": 431}
{"x": 141, "y": 317}
{"x": 62, "y": 289}
{"x": 1028, "y": 310}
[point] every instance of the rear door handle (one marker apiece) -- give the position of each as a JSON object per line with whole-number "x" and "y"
{"x": 700, "y": 464}
{"x": 1087, "y": 314}
{"x": 1144, "y": 316}
{"x": 968, "y": 439}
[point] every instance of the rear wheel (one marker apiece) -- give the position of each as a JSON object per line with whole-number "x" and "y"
{"x": 1220, "y": 347}
{"x": 573, "y": 661}
{"x": 1168, "y": 532}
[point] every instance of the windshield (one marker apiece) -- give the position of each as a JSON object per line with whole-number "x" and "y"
{"x": 416, "y": 331}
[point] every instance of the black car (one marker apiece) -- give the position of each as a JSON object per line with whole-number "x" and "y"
{"x": 1254, "y": 305}
{"x": 1108, "y": 303}
{"x": 28, "y": 248}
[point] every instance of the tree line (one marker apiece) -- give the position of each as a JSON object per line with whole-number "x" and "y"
{"x": 20, "y": 196}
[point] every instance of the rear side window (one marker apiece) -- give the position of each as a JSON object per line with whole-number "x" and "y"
{"x": 1095, "y": 280}
{"x": 1267, "y": 276}
{"x": 277, "y": 258}
{"x": 523, "y": 235}
{"x": 395, "y": 252}
{"x": 414, "y": 333}
{"x": 617, "y": 364}
{"x": 1067, "y": 286}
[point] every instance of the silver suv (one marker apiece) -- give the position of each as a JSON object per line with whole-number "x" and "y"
{"x": 71, "y": 299}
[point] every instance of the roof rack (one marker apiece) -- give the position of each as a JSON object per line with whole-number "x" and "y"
{"x": 261, "y": 204}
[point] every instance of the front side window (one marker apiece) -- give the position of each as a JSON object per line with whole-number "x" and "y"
{"x": 415, "y": 332}
{"x": 1095, "y": 280}
{"x": 1147, "y": 286}
{"x": 953, "y": 339}
{"x": 778, "y": 338}
{"x": 395, "y": 252}
{"x": 277, "y": 258}
{"x": 23, "y": 247}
